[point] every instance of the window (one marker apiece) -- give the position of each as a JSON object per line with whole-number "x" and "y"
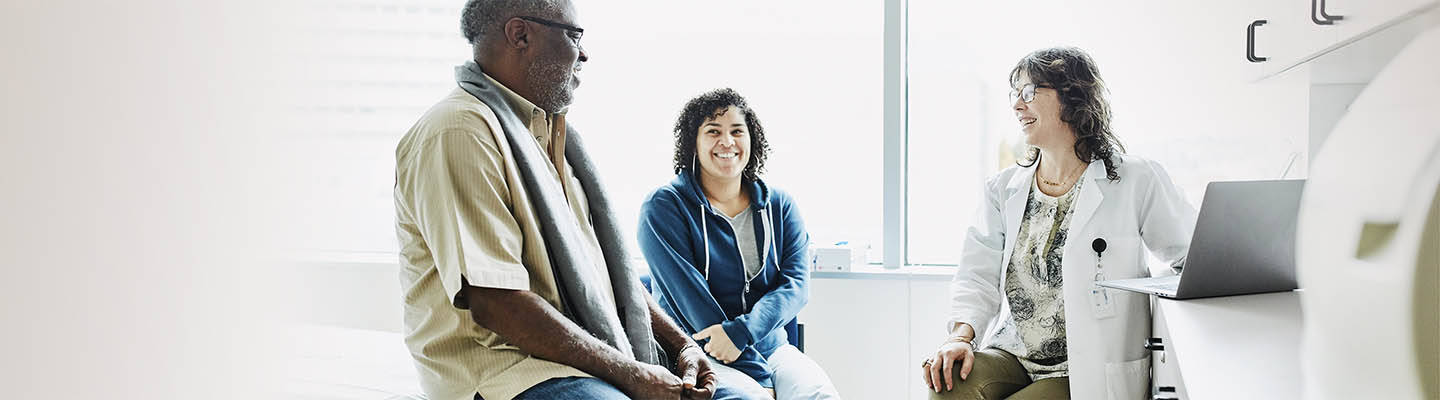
{"x": 949, "y": 154}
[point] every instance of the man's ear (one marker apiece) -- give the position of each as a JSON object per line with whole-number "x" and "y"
{"x": 517, "y": 34}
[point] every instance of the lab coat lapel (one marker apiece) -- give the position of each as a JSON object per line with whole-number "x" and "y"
{"x": 1017, "y": 192}
{"x": 1089, "y": 196}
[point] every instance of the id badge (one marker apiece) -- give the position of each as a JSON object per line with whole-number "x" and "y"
{"x": 1102, "y": 302}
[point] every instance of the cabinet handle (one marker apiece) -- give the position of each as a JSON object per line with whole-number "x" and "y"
{"x": 1318, "y": 15}
{"x": 1170, "y": 389}
{"x": 1165, "y": 398}
{"x": 1154, "y": 344}
{"x": 1250, "y": 41}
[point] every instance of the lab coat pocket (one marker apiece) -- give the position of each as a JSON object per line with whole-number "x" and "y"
{"x": 1127, "y": 379}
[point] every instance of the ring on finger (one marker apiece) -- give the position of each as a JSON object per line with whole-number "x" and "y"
{"x": 926, "y": 363}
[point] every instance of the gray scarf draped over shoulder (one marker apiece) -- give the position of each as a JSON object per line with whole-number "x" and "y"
{"x": 628, "y": 329}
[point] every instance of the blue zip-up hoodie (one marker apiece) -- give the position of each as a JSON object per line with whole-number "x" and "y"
{"x": 699, "y": 278}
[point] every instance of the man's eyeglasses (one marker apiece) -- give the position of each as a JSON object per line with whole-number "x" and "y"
{"x": 574, "y": 32}
{"x": 1026, "y": 92}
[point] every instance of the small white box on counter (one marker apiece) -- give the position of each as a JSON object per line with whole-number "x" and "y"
{"x": 835, "y": 258}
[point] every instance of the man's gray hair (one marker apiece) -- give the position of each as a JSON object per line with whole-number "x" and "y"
{"x": 479, "y": 18}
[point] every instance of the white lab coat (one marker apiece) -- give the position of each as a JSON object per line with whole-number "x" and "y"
{"x": 1107, "y": 360}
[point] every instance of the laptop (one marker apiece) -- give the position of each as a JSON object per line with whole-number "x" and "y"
{"x": 1244, "y": 243}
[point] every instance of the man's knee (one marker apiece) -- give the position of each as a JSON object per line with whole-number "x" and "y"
{"x": 573, "y": 388}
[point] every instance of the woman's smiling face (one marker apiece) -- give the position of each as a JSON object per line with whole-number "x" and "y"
{"x": 1040, "y": 117}
{"x": 723, "y": 144}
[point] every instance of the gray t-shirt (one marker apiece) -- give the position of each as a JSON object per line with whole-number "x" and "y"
{"x": 744, "y": 226}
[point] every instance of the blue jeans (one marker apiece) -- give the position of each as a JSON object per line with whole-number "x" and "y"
{"x": 573, "y": 387}
{"x": 594, "y": 388}
{"x": 795, "y": 375}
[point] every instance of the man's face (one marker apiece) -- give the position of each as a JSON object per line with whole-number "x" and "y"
{"x": 555, "y": 60}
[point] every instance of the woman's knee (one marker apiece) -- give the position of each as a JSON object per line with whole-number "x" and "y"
{"x": 735, "y": 385}
{"x": 994, "y": 375}
{"x": 1045, "y": 389}
{"x": 742, "y": 393}
{"x": 798, "y": 377}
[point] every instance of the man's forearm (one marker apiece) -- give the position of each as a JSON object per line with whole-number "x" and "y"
{"x": 667, "y": 332}
{"x": 528, "y": 322}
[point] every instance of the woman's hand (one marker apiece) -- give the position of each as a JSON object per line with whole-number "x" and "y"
{"x": 720, "y": 345}
{"x": 941, "y": 364}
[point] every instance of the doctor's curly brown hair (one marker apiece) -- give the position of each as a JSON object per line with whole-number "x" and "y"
{"x": 1083, "y": 103}
{"x": 713, "y": 104}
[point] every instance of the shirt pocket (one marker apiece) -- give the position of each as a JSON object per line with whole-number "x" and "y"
{"x": 495, "y": 342}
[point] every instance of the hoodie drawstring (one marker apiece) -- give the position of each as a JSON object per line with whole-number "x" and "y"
{"x": 705, "y": 240}
{"x": 770, "y": 234}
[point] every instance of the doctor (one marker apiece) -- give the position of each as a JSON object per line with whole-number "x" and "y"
{"x": 1073, "y": 212}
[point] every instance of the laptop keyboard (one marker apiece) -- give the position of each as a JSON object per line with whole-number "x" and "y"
{"x": 1169, "y": 283}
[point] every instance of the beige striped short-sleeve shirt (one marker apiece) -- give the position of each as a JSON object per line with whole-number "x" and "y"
{"x": 463, "y": 217}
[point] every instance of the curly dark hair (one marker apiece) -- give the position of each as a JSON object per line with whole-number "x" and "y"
{"x": 1083, "y": 102}
{"x": 710, "y": 105}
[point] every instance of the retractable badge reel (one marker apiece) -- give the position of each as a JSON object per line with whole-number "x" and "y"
{"x": 1100, "y": 300}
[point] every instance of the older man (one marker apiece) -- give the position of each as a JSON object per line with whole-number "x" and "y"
{"x": 516, "y": 283}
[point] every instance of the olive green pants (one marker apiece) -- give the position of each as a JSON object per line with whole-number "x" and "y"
{"x": 998, "y": 375}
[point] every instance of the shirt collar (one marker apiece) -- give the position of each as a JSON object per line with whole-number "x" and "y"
{"x": 527, "y": 111}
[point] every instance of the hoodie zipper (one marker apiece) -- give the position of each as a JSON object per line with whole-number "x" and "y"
{"x": 744, "y": 303}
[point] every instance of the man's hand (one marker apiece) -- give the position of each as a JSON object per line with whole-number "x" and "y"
{"x": 650, "y": 381}
{"x": 695, "y": 374}
{"x": 697, "y": 380}
{"x": 720, "y": 345}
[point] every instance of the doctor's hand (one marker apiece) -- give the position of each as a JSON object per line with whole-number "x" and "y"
{"x": 942, "y": 365}
{"x": 720, "y": 345}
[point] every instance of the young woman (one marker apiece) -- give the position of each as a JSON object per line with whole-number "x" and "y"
{"x": 1030, "y": 262}
{"x": 727, "y": 252}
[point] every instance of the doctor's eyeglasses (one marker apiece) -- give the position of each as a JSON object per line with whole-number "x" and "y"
{"x": 1026, "y": 92}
